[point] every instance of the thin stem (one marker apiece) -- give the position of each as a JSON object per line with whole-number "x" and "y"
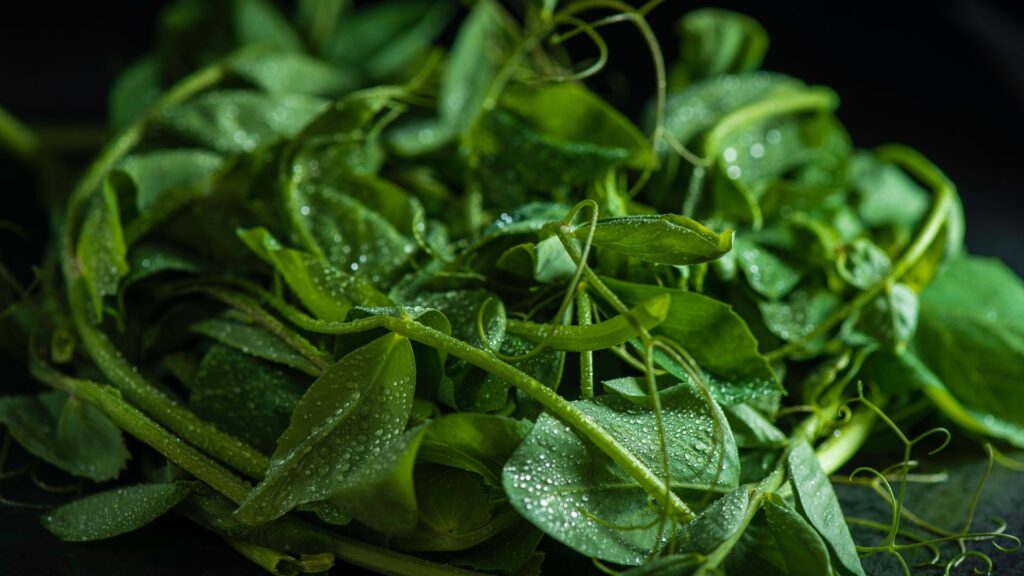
{"x": 134, "y": 422}
{"x": 585, "y": 315}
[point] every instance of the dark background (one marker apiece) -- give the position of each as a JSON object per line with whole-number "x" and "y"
{"x": 944, "y": 77}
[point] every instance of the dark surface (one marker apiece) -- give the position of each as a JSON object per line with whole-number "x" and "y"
{"x": 944, "y": 77}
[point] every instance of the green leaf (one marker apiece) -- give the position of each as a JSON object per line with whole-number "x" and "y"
{"x": 477, "y": 443}
{"x": 717, "y": 42}
{"x": 328, "y": 292}
{"x": 891, "y": 319}
{"x": 662, "y": 239}
{"x": 897, "y": 373}
{"x": 280, "y": 72}
{"x": 492, "y": 394}
{"x": 971, "y": 335}
{"x": 161, "y": 172}
{"x": 863, "y": 264}
{"x": 245, "y": 396}
{"x": 355, "y": 409}
{"x": 385, "y": 38}
{"x": 66, "y": 432}
{"x": 134, "y": 90}
{"x": 818, "y": 503}
{"x": 717, "y": 338}
{"x": 238, "y": 121}
{"x": 101, "y": 253}
{"x": 887, "y": 195}
{"x": 380, "y": 494}
{"x": 803, "y": 550}
{"x": 255, "y": 341}
{"x": 569, "y": 489}
{"x": 342, "y": 228}
{"x": 716, "y": 523}
{"x": 475, "y": 59}
{"x": 798, "y": 315}
{"x": 115, "y": 512}
{"x": 765, "y": 272}
{"x": 751, "y": 429}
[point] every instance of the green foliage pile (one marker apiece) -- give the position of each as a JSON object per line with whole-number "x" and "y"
{"x": 439, "y": 310}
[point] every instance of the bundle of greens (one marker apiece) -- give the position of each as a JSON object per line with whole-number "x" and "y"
{"x": 339, "y": 291}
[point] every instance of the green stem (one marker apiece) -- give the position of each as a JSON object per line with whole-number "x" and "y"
{"x": 389, "y": 562}
{"x": 134, "y": 422}
{"x": 108, "y": 359}
{"x": 922, "y": 169}
{"x": 588, "y": 337}
{"x": 585, "y": 314}
{"x": 555, "y": 404}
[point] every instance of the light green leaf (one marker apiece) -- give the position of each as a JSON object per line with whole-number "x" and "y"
{"x": 101, "y": 253}
{"x": 818, "y": 503}
{"x": 717, "y": 338}
{"x": 768, "y": 274}
{"x": 115, "y": 512}
{"x": 662, "y": 239}
{"x": 328, "y": 292}
{"x": 564, "y": 485}
{"x": 355, "y": 409}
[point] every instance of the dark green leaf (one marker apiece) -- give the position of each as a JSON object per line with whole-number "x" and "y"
{"x": 380, "y": 494}
{"x": 255, "y": 341}
{"x": 116, "y": 512}
{"x": 66, "y": 432}
{"x": 717, "y": 42}
{"x": 237, "y": 121}
{"x": 564, "y": 485}
{"x": 135, "y": 89}
{"x": 803, "y": 550}
{"x": 478, "y": 443}
{"x": 245, "y": 396}
{"x": 155, "y": 174}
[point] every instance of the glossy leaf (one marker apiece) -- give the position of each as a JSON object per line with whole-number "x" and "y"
{"x": 475, "y": 59}
{"x": 355, "y": 409}
{"x": 119, "y": 511}
{"x": 663, "y": 239}
{"x": 751, "y": 429}
{"x": 328, "y": 292}
{"x": 818, "y": 503}
{"x": 564, "y": 485}
{"x": 717, "y": 338}
{"x": 101, "y": 252}
{"x": 765, "y": 272}
{"x": 716, "y": 523}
